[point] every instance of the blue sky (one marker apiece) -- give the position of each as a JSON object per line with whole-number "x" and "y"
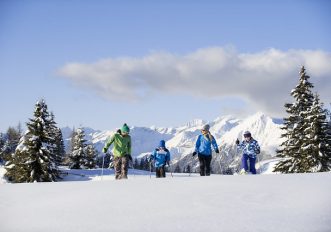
{"x": 163, "y": 63}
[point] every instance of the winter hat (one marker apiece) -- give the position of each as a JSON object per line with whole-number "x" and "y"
{"x": 125, "y": 128}
{"x": 162, "y": 143}
{"x": 247, "y": 134}
{"x": 206, "y": 127}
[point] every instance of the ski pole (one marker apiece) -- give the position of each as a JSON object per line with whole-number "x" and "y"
{"x": 258, "y": 160}
{"x": 131, "y": 165}
{"x": 170, "y": 170}
{"x": 150, "y": 170}
{"x": 191, "y": 165}
{"x": 103, "y": 161}
{"x": 220, "y": 164}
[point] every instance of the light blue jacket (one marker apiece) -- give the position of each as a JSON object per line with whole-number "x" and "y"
{"x": 204, "y": 143}
{"x": 160, "y": 157}
{"x": 250, "y": 148}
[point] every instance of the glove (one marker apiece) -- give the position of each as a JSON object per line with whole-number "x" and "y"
{"x": 194, "y": 153}
{"x": 258, "y": 151}
{"x": 237, "y": 142}
{"x": 217, "y": 151}
{"x": 104, "y": 150}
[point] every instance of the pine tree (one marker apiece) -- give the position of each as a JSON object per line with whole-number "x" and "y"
{"x": 142, "y": 164}
{"x": 188, "y": 169}
{"x": 177, "y": 168}
{"x": 316, "y": 147}
{"x": 13, "y": 137}
{"x": 59, "y": 150}
{"x": 2, "y": 143}
{"x": 91, "y": 154}
{"x": 11, "y": 140}
{"x": 295, "y": 127}
{"x": 78, "y": 154}
{"x": 6, "y": 152}
{"x": 136, "y": 163}
{"x": 32, "y": 161}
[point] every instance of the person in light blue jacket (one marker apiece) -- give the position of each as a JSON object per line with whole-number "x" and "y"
{"x": 203, "y": 147}
{"x": 251, "y": 149}
{"x": 161, "y": 157}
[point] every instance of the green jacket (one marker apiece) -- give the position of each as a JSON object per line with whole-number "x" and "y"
{"x": 122, "y": 145}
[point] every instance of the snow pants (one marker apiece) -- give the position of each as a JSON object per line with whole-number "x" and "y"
{"x": 160, "y": 172}
{"x": 204, "y": 161}
{"x": 244, "y": 163}
{"x": 121, "y": 165}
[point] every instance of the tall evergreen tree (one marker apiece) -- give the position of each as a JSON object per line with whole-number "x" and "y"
{"x": 177, "y": 168}
{"x": 59, "y": 150}
{"x": 91, "y": 154}
{"x": 6, "y": 151}
{"x": 136, "y": 163}
{"x": 295, "y": 127}
{"x": 2, "y": 143}
{"x": 78, "y": 154}
{"x": 316, "y": 147}
{"x": 13, "y": 136}
{"x": 11, "y": 140}
{"x": 32, "y": 161}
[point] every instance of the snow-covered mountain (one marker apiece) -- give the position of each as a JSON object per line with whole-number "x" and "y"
{"x": 181, "y": 140}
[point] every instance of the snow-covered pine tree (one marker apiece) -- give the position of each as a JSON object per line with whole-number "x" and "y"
{"x": 142, "y": 164}
{"x": 59, "y": 147}
{"x": 6, "y": 151}
{"x": 32, "y": 160}
{"x": 294, "y": 160}
{"x": 78, "y": 154}
{"x": 13, "y": 136}
{"x": 177, "y": 168}
{"x": 105, "y": 160}
{"x": 316, "y": 148}
{"x": 2, "y": 143}
{"x": 91, "y": 154}
{"x": 11, "y": 139}
{"x": 51, "y": 130}
{"x": 136, "y": 163}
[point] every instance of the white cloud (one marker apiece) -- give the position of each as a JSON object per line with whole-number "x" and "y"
{"x": 264, "y": 79}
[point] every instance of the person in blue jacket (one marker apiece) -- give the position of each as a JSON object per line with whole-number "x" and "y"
{"x": 161, "y": 157}
{"x": 203, "y": 148}
{"x": 251, "y": 149}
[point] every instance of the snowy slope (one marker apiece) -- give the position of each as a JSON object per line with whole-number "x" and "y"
{"x": 286, "y": 203}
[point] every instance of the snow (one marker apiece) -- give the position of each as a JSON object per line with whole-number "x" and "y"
{"x": 2, "y": 172}
{"x": 296, "y": 202}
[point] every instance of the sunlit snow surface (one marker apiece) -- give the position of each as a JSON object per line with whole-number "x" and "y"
{"x": 297, "y": 202}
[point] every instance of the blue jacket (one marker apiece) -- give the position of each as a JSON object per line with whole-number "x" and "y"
{"x": 161, "y": 157}
{"x": 250, "y": 148}
{"x": 204, "y": 143}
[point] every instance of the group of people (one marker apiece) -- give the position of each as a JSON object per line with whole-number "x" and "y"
{"x": 161, "y": 155}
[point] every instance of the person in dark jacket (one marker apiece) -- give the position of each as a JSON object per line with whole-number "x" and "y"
{"x": 203, "y": 148}
{"x": 161, "y": 157}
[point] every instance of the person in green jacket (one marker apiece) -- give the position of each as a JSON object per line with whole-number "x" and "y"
{"x": 121, "y": 151}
